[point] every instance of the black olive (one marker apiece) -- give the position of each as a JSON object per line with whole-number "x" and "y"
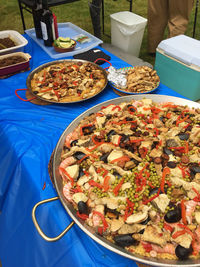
{"x": 183, "y": 136}
{"x": 167, "y": 151}
{"x": 74, "y": 143}
{"x": 161, "y": 118}
{"x": 88, "y": 130}
{"x": 174, "y": 215}
{"x": 35, "y": 92}
{"x": 171, "y": 143}
{"x": 124, "y": 138}
{"x": 128, "y": 119}
{"x": 125, "y": 240}
{"x": 104, "y": 157}
{"x": 117, "y": 175}
{"x": 79, "y": 155}
{"x": 171, "y": 164}
{"x": 146, "y": 221}
{"x": 183, "y": 253}
{"x": 115, "y": 212}
{"x": 154, "y": 144}
{"x": 112, "y": 132}
{"x": 83, "y": 208}
{"x": 195, "y": 168}
{"x": 109, "y": 116}
{"x": 81, "y": 173}
{"x": 131, "y": 108}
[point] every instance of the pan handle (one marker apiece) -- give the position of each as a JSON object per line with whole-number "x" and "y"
{"x": 49, "y": 239}
{"x": 22, "y": 98}
{"x": 103, "y": 60}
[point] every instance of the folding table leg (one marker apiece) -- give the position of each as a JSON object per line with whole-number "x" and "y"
{"x": 22, "y": 15}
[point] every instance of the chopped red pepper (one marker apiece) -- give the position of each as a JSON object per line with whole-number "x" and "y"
{"x": 56, "y": 93}
{"x": 117, "y": 187}
{"x": 106, "y": 183}
{"x": 80, "y": 160}
{"x": 168, "y": 115}
{"x": 183, "y": 171}
{"x": 186, "y": 147}
{"x": 147, "y": 247}
{"x": 107, "y": 106}
{"x": 67, "y": 174}
{"x": 197, "y": 198}
{"x": 93, "y": 183}
{"x": 94, "y": 147}
{"x": 166, "y": 172}
{"x": 179, "y": 121}
{"x": 75, "y": 83}
{"x": 183, "y": 212}
{"x": 123, "y": 158}
{"x": 105, "y": 225}
{"x": 168, "y": 227}
{"x": 136, "y": 140}
{"x": 178, "y": 233}
{"x": 100, "y": 230}
{"x": 129, "y": 209}
{"x": 82, "y": 216}
{"x": 118, "y": 107}
{"x": 46, "y": 90}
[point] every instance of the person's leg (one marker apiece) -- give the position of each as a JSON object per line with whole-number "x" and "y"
{"x": 157, "y": 22}
{"x": 179, "y": 13}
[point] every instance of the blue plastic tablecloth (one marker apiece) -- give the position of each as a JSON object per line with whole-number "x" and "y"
{"x": 28, "y": 135}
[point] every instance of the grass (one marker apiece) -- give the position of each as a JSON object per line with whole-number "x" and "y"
{"x": 78, "y": 13}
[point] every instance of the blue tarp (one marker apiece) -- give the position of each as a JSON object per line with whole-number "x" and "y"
{"x": 28, "y": 135}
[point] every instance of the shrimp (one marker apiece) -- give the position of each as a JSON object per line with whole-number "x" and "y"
{"x": 70, "y": 137}
{"x": 96, "y": 220}
{"x": 67, "y": 162}
{"x": 168, "y": 248}
{"x": 67, "y": 191}
{"x": 190, "y": 208}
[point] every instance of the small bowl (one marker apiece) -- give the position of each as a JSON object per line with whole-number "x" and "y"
{"x": 63, "y": 50}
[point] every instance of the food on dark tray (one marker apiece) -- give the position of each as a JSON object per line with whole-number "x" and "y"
{"x": 132, "y": 173}
{"x": 68, "y": 81}
{"x": 11, "y": 60}
{"x": 6, "y": 43}
{"x": 139, "y": 79}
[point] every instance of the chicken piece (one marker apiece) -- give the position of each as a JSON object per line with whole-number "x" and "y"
{"x": 158, "y": 168}
{"x": 184, "y": 240}
{"x": 195, "y": 135}
{"x": 155, "y": 153}
{"x": 115, "y": 154}
{"x": 116, "y": 224}
{"x": 79, "y": 197}
{"x": 197, "y": 216}
{"x": 162, "y": 201}
{"x": 138, "y": 217}
{"x": 154, "y": 234}
{"x": 100, "y": 121}
{"x": 131, "y": 228}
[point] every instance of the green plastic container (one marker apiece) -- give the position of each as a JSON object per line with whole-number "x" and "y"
{"x": 176, "y": 74}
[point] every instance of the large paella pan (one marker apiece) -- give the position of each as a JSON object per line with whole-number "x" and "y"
{"x": 153, "y": 190}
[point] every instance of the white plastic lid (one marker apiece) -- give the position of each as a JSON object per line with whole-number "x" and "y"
{"x": 182, "y": 48}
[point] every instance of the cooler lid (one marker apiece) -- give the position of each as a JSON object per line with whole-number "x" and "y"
{"x": 182, "y": 48}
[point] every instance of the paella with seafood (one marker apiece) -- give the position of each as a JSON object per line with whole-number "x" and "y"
{"x": 68, "y": 81}
{"x": 132, "y": 173}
